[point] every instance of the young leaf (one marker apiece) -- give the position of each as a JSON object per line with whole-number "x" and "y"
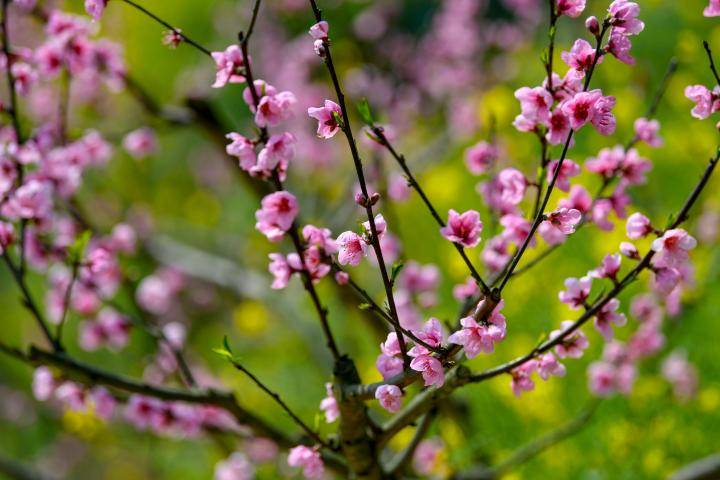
{"x": 363, "y": 108}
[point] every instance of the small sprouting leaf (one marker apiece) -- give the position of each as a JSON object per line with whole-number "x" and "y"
{"x": 364, "y": 306}
{"x": 76, "y": 250}
{"x": 226, "y": 344}
{"x": 225, "y": 351}
{"x": 363, "y": 108}
{"x": 338, "y": 119}
{"x": 396, "y": 268}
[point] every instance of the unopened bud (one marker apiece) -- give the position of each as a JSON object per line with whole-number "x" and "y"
{"x": 361, "y": 199}
{"x": 374, "y": 198}
{"x": 593, "y": 25}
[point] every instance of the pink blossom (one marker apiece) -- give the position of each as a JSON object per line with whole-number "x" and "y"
{"x": 706, "y": 102}
{"x": 102, "y": 403}
{"x": 608, "y": 161}
{"x": 431, "y": 369}
{"x": 274, "y": 109}
{"x": 512, "y": 184}
{"x": 629, "y": 250}
{"x": 342, "y": 278}
{"x": 276, "y": 215}
{"x": 480, "y": 157}
{"x": 380, "y": 228}
{"x": 608, "y": 316}
{"x": 464, "y": 228}
{"x": 320, "y": 237}
{"x": 25, "y": 77}
{"x": 517, "y": 228}
{"x": 427, "y": 456}
{"x": 638, "y": 226}
{"x": 576, "y": 292}
{"x": 559, "y": 127}
{"x": 261, "y": 450}
{"x": 140, "y": 143}
{"x": 601, "y": 379}
{"x": 521, "y": 377}
{"x": 496, "y": 253}
{"x": 431, "y": 334}
{"x": 580, "y": 58}
{"x": 352, "y": 248}
{"x": 95, "y": 8}
{"x": 398, "y": 188}
{"x": 72, "y": 396}
{"x": 681, "y": 374}
{"x": 329, "y": 405}
{"x": 109, "y": 329}
{"x": 313, "y": 261}
{"x": 558, "y": 224}
{"x": 319, "y": 31}
{"x": 327, "y": 117}
{"x": 634, "y": 167}
{"x": 230, "y": 66}
{"x": 31, "y": 201}
{"x": 646, "y": 309}
{"x": 619, "y": 46}
{"x": 235, "y": 467}
{"x": 463, "y": 291}
{"x": 573, "y": 344}
{"x": 172, "y": 38}
{"x": 43, "y": 384}
{"x": 673, "y": 247}
{"x": 278, "y": 151}
{"x": 390, "y": 397}
{"x": 389, "y": 366}
{"x": 647, "y": 341}
{"x": 567, "y": 170}
{"x": 535, "y": 104}
{"x": 243, "y": 149}
{"x": 476, "y": 338}
{"x": 647, "y": 131}
{"x": 666, "y": 279}
{"x": 549, "y": 366}
{"x": 309, "y": 460}
{"x": 609, "y": 267}
{"x": 591, "y": 107}
{"x": 623, "y": 17}
{"x": 579, "y": 199}
{"x": 571, "y": 8}
{"x": 7, "y": 236}
{"x": 713, "y": 9}
{"x": 280, "y": 270}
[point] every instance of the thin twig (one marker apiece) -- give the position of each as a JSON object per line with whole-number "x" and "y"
{"x": 276, "y": 397}
{"x": 375, "y": 239}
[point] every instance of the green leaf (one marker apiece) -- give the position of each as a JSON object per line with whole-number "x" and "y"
{"x": 76, "y": 250}
{"x": 396, "y": 268}
{"x": 363, "y": 108}
{"x": 225, "y": 351}
{"x": 364, "y": 306}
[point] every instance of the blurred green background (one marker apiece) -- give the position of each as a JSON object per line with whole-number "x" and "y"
{"x": 193, "y": 198}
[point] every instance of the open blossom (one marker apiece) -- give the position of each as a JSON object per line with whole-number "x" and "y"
{"x": 706, "y": 102}
{"x": 638, "y": 226}
{"x": 568, "y": 170}
{"x": 476, "y": 338}
{"x": 430, "y": 368}
{"x": 32, "y": 200}
{"x": 140, "y": 143}
{"x": 273, "y": 109}
{"x": 352, "y": 248}
{"x": 522, "y": 377}
{"x": 580, "y": 58}
{"x": 230, "y": 65}
{"x": 713, "y": 9}
{"x": 319, "y": 237}
{"x": 576, "y": 292}
{"x": 559, "y": 127}
{"x": 242, "y": 148}
{"x": 517, "y": 228}
{"x": 559, "y": 224}
{"x": 172, "y": 38}
{"x": 673, "y": 247}
{"x": 579, "y": 199}
{"x": 619, "y": 46}
{"x": 571, "y": 8}
{"x": 512, "y": 185}
{"x": 463, "y": 228}
{"x": 633, "y": 168}
{"x": 326, "y": 116}
{"x": 390, "y": 397}
{"x": 535, "y": 104}
{"x": 607, "y": 316}
{"x": 280, "y": 270}
{"x": 605, "y": 378}
{"x": 329, "y": 405}
{"x": 109, "y": 329}
{"x": 235, "y": 467}
{"x": 573, "y": 344}
{"x": 319, "y": 31}
{"x": 609, "y": 267}
{"x": 43, "y": 384}
{"x": 463, "y": 291}
{"x": 629, "y": 250}
{"x": 7, "y": 236}
{"x": 309, "y": 460}
{"x": 647, "y": 131}
{"x": 95, "y": 8}
{"x": 389, "y": 366}
{"x": 278, "y": 151}
{"x": 623, "y": 17}
{"x": 431, "y": 334}
{"x": 480, "y": 157}
{"x": 548, "y": 366}
{"x": 276, "y": 215}
{"x": 591, "y": 107}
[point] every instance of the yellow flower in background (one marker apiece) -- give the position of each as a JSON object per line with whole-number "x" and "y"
{"x": 251, "y": 318}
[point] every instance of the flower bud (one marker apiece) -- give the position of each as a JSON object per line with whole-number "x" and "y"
{"x": 593, "y": 25}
